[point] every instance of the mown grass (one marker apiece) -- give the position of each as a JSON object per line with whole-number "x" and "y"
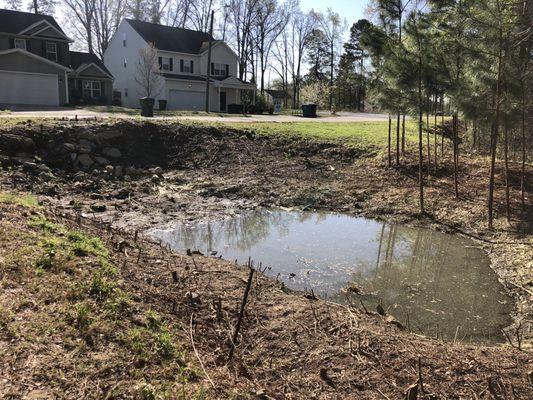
{"x": 361, "y": 134}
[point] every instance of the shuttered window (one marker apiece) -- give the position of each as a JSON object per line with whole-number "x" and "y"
{"x": 166, "y": 63}
{"x": 218, "y": 69}
{"x": 187, "y": 66}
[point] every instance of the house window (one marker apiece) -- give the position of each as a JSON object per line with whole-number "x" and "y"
{"x": 51, "y": 51}
{"x": 92, "y": 89}
{"x": 187, "y": 66}
{"x": 166, "y": 63}
{"x": 20, "y": 44}
{"x": 219, "y": 69}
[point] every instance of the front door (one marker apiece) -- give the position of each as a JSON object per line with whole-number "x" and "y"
{"x": 223, "y": 101}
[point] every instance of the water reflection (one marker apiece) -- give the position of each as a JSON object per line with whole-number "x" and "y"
{"x": 439, "y": 284}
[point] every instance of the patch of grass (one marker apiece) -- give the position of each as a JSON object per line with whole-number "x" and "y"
{"x": 152, "y": 341}
{"x": 77, "y": 297}
{"x": 364, "y": 133}
{"x": 42, "y": 223}
{"x": 83, "y": 244}
{"x": 25, "y": 200}
{"x": 101, "y": 287}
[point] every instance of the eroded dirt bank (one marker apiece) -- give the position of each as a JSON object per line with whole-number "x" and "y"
{"x": 292, "y": 347}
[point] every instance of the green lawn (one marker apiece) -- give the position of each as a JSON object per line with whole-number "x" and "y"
{"x": 359, "y": 134}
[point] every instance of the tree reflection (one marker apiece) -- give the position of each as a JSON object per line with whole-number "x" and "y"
{"x": 438, "y": 281}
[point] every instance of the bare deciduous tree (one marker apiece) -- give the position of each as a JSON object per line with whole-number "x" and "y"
{"x": 301, "y": 27}
{"x": 333, "y": 26}
{"x": 84, "y": 12}
{"x": 241, "y": 18}
{"x": 271, "y": 20}
{"x": 43, "y": 6}
{"x": 147, "y": 73}
{"x": 108, "y": 14}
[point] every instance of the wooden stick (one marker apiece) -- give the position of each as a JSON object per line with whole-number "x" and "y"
{"x": 420, "y": 381}
{"x": 241, "y": 313}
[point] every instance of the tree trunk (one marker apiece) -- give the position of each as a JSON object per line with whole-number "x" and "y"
{"x": 389, "y": 142}
{"x": 435, "y": 133}
{"x": 403, "y": 134}
{"x": 398, "y": 139}
{"x": 523, "y": 169}
{"x": 455, "y": 157}
{"x": 428, "y": 143}
{"x": 506, "y": 165}
{"x": 420, "y": 140}
{"x": 442, "y": 128}
{"x": 332, "y": 66}
{"x": 494, "y": 135}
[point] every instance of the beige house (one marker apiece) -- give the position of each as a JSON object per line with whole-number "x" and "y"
{"x": 183, "y": 66}
{"x": 37, "y": 67}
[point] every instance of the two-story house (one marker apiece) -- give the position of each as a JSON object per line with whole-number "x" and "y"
{"x": 182, "y": 55}
{"x": 38, "y": 68}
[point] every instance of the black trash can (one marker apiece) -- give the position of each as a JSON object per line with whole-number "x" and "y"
{"x": 147, "y": 106}
{"x": 162, "y": 105}
{"x": 309, "y": 110}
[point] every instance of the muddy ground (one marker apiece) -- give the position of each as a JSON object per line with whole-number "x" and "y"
{"x": 291, "y": 346}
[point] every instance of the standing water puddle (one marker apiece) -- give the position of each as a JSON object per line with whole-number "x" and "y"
{"x": 437, "y": 284}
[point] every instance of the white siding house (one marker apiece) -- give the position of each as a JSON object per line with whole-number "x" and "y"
{"x": 182, "y": 55}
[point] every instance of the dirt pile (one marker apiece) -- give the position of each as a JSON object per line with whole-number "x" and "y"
{"x": 141, "y": 145}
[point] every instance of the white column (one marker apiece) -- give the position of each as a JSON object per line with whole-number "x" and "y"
{"x": 66, "y": 88}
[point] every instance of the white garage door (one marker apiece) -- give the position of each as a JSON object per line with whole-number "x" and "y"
{"x": 186, "y": 100}
{"x": 26, "y": 88}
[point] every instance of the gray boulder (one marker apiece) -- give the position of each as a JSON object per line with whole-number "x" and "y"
{"x": 111, "y": 152}
{"x": 85, "y": 160}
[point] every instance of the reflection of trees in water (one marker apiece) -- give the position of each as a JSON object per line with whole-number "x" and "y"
{"x": 435, "y": 278}
{"x": 240, "y": 233}
{"x": 431, "y": 276}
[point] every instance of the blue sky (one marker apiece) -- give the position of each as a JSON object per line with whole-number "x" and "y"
{"x": 351, "y": 10}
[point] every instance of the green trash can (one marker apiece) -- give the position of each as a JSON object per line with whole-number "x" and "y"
{"x": 309, "y": 110}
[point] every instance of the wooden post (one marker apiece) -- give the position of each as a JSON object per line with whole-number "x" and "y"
{"x": 241, "y": 312}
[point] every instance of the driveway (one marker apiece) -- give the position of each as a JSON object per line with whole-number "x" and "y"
{"x": 69, "y": 113}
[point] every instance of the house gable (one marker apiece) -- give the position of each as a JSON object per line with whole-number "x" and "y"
{"x": 22, "y": 24}
{"x": 93, "y": 71}
{"x": 21, "y": 60}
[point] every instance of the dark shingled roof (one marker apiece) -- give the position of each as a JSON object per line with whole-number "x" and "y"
{"x": 16, "y": 21}
{"x": 78, "y": 58}
{"x": 171, "y": 39}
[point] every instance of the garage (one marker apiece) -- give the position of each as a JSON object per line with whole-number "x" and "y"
{"x": 186, "y": 100}
{"x": 29, "y": 88}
